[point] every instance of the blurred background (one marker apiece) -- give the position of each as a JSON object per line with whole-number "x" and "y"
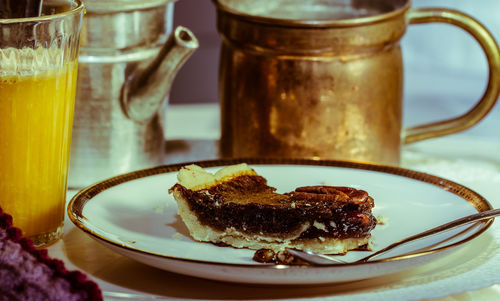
{"x": 445, "y": 69}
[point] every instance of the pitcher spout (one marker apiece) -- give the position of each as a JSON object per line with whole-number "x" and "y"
{"x": 144, "y": 92}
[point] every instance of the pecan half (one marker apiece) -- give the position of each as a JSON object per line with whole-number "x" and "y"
{"x": 333, "y": 194}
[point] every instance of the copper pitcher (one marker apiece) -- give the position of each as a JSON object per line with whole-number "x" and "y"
{"x": 325, "y": 78}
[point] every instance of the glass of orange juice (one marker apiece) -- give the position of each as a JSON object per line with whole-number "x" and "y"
{"x": 38, "y": 70}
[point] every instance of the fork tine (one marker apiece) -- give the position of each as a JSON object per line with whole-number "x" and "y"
{"x": 315, "y": 258}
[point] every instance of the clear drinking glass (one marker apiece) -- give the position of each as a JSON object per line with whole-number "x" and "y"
{"x": 38, "y": 71}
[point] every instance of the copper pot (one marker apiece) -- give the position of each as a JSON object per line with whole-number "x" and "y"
{"x": 325, "y": 78}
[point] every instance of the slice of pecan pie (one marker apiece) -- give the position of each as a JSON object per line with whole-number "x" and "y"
{"x": 235, "y": 206}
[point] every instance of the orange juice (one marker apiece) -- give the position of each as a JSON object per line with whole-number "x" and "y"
{"x": 36, "y": 114}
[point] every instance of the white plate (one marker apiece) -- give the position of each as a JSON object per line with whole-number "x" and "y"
{"x": 134, "y": 215}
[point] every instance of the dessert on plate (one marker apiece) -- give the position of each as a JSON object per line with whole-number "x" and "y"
{"x": 236, "y": 207}
{"x": 27, "y": 273}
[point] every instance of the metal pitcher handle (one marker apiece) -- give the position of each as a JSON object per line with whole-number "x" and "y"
{"x": 489, "y": 98}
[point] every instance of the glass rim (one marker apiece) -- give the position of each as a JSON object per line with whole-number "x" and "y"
{"x": 79, "y": 7}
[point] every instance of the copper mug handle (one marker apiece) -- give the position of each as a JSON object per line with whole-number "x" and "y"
{"x": 489, "y": 98}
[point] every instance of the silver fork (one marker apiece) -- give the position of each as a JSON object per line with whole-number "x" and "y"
{"x": 319, "y": 259}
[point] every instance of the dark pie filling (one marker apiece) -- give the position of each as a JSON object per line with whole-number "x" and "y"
{"x": 249, "y": 205}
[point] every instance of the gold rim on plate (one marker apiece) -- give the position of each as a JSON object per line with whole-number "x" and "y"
{"x": 77, "y": 203}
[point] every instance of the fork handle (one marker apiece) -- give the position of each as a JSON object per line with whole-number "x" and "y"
{"x": 489, "y": 214}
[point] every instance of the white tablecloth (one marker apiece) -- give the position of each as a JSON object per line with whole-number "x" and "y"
{"x": 470, "y": 159}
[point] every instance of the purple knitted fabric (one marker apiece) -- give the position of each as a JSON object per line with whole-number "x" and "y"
{"x": 30, "y": 274}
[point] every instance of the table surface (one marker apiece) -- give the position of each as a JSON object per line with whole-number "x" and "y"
{"x": 123, "y": 279}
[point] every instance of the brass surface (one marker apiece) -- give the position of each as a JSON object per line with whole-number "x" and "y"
{"x": 295, "y": 82}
